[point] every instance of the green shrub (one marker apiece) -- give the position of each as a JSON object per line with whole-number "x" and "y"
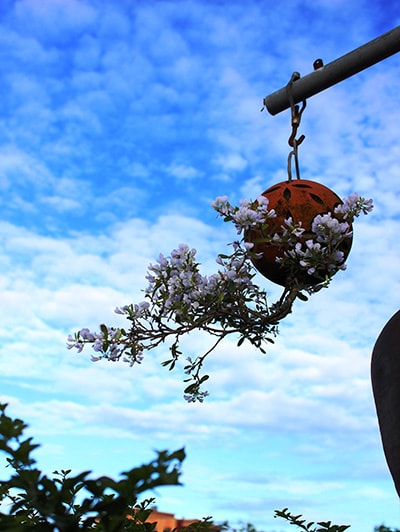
{"x": 65, "y": 502}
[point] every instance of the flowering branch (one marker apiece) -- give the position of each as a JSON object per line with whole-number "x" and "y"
{"x": 179, "y": 299}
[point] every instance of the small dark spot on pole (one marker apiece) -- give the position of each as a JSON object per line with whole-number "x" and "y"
{"x": 318, "y": 63}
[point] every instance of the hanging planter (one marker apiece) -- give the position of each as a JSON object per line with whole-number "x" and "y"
{"x": 309, "y": 236}
{"x": 297, "y": 234}
{"x": 298, "y": 203}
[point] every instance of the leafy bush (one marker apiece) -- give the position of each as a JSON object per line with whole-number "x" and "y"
{"x": 32, "y": 501}
{"x": 322, "y": 526}
{"x": 65, "y": 502}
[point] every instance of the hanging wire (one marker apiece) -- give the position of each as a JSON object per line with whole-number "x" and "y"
{"x": 296, "y": 113}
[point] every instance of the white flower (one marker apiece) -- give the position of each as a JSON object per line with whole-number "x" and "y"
{"x": 121, "y": 310}
{"x": 98, "y": 345}
{"x": 221, "y": 205}
{"x": 353, "y": 206}
{"x": 263, "y": 201}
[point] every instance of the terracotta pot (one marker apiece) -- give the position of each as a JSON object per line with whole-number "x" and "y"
{"x": 301, "y": 200}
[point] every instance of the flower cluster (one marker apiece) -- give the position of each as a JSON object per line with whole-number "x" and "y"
{"x": 179, "y": 298}
{"x": 321, "y": 253}
{"x": 247, "y": 215}
{"x": 353, "y": 206}
{"x": 178, "y": 290}
{"x": 106, "y": 343}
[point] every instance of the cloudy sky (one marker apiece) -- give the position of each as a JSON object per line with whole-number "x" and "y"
{"x": 120, "y": 121}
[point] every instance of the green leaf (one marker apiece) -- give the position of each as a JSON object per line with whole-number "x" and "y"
{"x": 302, "y": 296}
{"x": 241, "y": 340}
{"x": 325, "y": 524}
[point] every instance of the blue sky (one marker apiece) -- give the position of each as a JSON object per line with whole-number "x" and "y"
{"x": 120, "y": 122}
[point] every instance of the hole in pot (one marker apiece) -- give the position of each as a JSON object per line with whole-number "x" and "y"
{"x": 287, "y": 194}
{"x": 273, "y": 188}
{"x": 301, "y": 185}
{"x": 316, "y": 198}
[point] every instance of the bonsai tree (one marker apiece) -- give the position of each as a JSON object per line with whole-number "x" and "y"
{"x": 180, "y": 299}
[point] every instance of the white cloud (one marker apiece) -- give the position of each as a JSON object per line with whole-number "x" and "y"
{"x": 231, "y": 162}
{"x": 55, "y": 18}
{"x": 182, "y": 171}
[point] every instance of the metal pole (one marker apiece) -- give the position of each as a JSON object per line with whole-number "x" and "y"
{"x": 336, "y": 71}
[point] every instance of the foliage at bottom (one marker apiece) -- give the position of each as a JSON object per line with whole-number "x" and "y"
{"x": 33, "y": 501}
{"x": 65, "y": 502}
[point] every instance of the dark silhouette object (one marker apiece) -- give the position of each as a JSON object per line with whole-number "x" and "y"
{"x": 385, "y": 375}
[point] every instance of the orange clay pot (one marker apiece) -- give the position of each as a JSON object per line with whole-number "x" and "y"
{"x": 300, "y": 200}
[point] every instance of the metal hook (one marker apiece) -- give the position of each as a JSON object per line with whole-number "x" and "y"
{"x": 296, "y": 113}
{"x": 296, "y": 117}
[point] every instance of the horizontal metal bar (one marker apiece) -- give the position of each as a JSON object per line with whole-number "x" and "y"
{"x": 336, "y": 71}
